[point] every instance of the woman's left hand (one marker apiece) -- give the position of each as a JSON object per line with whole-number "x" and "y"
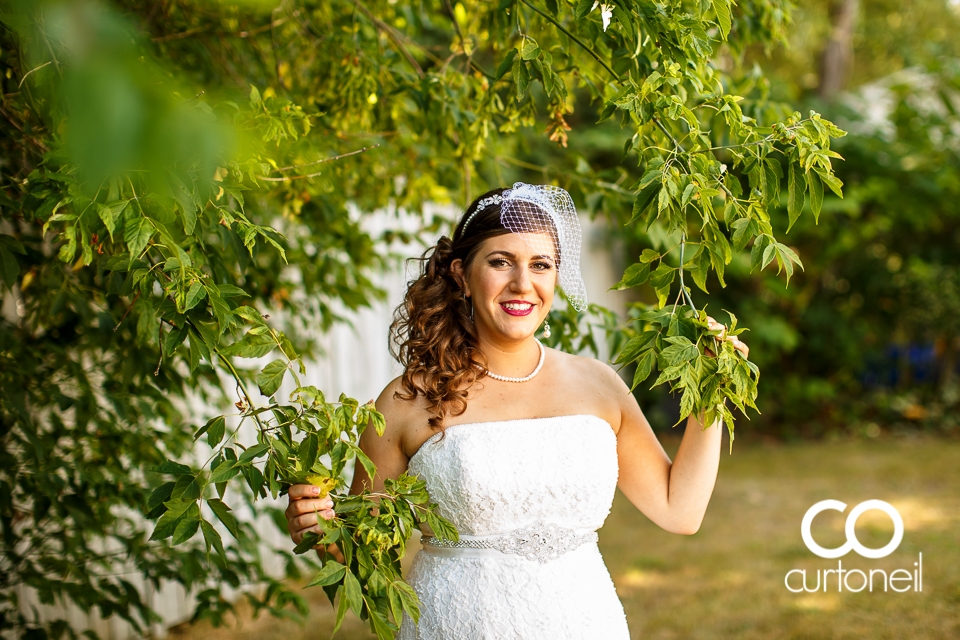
{"x": 737, "y": 343}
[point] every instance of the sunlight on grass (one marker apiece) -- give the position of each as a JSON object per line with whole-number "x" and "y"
{"x": 731, "y": 573}
{"x": 817, "y": 602}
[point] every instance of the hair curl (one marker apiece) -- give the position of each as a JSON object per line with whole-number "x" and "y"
{"x": 432, "y": 334}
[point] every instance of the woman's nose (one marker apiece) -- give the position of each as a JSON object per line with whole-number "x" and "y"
{"x": 521, "y": 279}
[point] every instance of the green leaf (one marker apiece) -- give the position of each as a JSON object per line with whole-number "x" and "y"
{"x": 137, "y": 233}
{"x": 529, "y": 49}
{"x": 635, "y": 274}
{"x": 254, "y": 452}
{"x": 644, "y": 368}
{"x": 832, "y": 181}
{"x": 583, "y": 8}
{"x": 341, "y": 610}
{"x": 12, "y": 244}
{"x": 195, "y": 294}
{"x": 815, "y": 185}
{"x": 223, "y": 514}
{"x": 212, "y": 537}
{"x": 250, "y": 314}
{"x": 173, "y": 468}
{"x": 634, "y": 346}
{"x": 701, "y": 269}
{"x": 505, "y": 64}
{"x": 644, "y": 199}
{"x": 353, "y": 592}
{"x": 231, "y": 291}
{"x": 408, "y": 598}
{"x": 379, "y": 422}
{"x": 332, "y": 572}
{"x": 167, "y": 524}
{"x": 188, "y": 525}
{"x": 194, "y": 488}
{"x": 159, "y": 495}
{"x": 9, "y": 268}
{"x": 271, "y": 377}
{"x": 663, "y": 276}
{"x": 69, "y": 248}
{"x": 251, "y": 346}
{"x": 226, "y": 470}
{"x": 681, "y": 351}
{"x": 109, "y": 214}
{"x": 795, "y": 188}
{"x": 769, "y": 253}
{"x": 396, "y": 606}
{"x": 221, "y": 310}
{"x": 521, "y": 77}
{"x": 722, "y": 9}
{"x": 309, "y": 541}
{"x": 757, "y": 253}
{"x": 217, "y": 429}
{"x": 308, "y": 451}
{"x": 378, "y": 622}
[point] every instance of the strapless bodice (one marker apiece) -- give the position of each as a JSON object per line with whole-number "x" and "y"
{"x": 492, "y": 477}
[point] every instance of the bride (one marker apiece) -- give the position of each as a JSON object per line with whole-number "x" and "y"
{"x": 522, "y": 447}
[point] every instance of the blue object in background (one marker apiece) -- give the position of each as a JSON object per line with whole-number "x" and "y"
{"x": 883, "y": 369}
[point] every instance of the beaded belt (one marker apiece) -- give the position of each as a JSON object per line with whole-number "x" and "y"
{"x": 542, "y": 542}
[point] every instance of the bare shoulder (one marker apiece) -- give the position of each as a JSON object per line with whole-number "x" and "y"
{"x": 404, "y": 418}
{"x": 590, "y": 370}
{"x": 596, "y": 381}
{"x": 396, "y": 411}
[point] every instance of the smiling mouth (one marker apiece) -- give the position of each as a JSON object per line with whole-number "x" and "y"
{"x": 517, "y": 308}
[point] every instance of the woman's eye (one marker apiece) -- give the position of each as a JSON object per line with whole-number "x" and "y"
{"x": 498, "y": 262}
{"x": 542, "y": 266}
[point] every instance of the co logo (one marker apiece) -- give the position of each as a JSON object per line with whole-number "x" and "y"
{"x": 852, "y": 544}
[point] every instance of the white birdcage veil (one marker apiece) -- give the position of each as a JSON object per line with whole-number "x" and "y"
{"x": 522, "y": 210}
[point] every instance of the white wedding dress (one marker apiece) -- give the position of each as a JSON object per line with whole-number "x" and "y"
{"x": 532, "y": 493}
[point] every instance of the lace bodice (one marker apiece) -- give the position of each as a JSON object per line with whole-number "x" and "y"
{"x": 494, "y": 478}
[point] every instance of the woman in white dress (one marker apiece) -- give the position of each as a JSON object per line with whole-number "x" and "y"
{"x": 521, "y": 446}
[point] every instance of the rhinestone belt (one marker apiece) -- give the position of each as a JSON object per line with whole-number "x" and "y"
{"x": 540, "y": 542}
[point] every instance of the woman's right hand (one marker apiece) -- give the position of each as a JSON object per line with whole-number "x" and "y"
{"x": 304, "y": 505}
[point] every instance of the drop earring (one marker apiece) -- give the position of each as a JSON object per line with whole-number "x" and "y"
{"x": 546, "y": 330}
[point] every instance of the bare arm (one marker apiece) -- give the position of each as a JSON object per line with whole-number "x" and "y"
{"x": 674, "y": 495}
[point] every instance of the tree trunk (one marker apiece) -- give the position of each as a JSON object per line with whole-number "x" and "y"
{"x": 948, "y": 362}
{"x": 837, "y": 58}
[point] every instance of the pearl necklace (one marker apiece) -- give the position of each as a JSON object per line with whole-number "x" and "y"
{"x": 525, "y": 378}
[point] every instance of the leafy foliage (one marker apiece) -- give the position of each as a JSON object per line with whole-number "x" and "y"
{"x": 177, "y": 167}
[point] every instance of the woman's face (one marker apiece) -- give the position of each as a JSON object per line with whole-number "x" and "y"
{"x": 511, "y": 282}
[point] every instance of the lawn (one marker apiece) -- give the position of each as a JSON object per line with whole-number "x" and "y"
{"x": 727, "y": 581}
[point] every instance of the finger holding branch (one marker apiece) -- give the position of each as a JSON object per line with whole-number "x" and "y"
{"x": 739, "y": 345}
{"x": 304, "y": 509}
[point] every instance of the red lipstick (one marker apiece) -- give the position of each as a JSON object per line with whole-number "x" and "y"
{"x": 520, "y": 307}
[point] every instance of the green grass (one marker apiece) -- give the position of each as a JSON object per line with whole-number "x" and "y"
{"x": 727, "y": 581}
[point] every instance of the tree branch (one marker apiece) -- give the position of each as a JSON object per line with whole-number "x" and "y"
{"x": 313, "y": 175}
{"x": 383, "y": 26}
{"x": 583, "y": 46}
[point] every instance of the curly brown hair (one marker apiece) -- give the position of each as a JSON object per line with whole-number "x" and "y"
{"x": 433, "y": 335}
